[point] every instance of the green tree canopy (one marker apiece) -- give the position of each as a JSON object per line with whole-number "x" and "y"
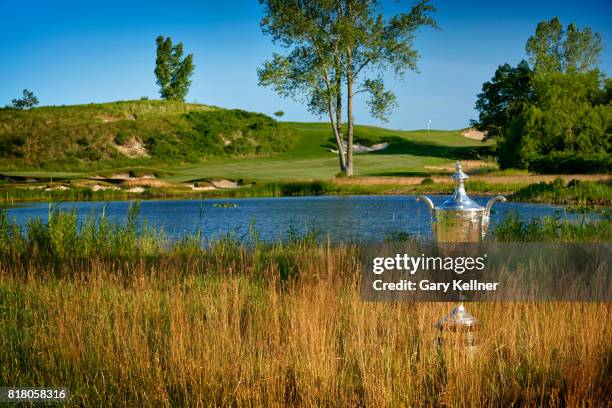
{"x": 567, "y": 116}
{"x": 503, "y": 97}
{"x": 336, "y": 47}
{"x": 554, "y": 49}
{"x": 173, "y": 72}
{"x": 557, "y": 107}
{"x": 27, "y": 101}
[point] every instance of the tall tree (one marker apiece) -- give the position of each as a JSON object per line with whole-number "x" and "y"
{"x": 340, "y": 42}
{"x": 173, "y": 72}
{"x": 27, "y": 101}
{"x": 372, "y": 44}
{"x": 553, "y": 49}
{"x": 310, "y": 72}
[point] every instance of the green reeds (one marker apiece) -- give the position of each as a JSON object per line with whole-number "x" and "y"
{"x": 574, "y": 192}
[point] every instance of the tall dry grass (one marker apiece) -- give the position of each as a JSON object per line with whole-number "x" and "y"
{"x": 275, "y": 325}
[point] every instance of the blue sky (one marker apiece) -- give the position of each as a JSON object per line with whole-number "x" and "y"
{"x": 72, "y": 52}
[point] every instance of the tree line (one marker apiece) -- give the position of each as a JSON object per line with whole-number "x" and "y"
{"x": 551, "y": 112}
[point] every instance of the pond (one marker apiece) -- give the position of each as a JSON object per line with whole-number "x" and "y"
{"x": 343, "y": 218}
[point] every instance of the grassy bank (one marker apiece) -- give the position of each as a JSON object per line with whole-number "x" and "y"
{"x": 124, "y": 318}
{"x": 557, "y": 192}
{"x": 551, "y": 229}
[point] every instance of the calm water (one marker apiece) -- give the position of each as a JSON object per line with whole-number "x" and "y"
{"x": 342, "y": 217}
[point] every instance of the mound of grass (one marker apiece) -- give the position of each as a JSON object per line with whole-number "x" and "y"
{"x": 113, "y": 135}
{"x": 221, "y": 133}
{"x": 197, "y": 141}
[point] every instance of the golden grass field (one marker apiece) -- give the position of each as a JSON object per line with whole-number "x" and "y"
{"x": 232, "y": 326}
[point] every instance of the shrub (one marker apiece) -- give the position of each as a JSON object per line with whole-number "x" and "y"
{"x": 12, "y": 146}
{"x": 427, "y": 181}
{"x": 90, "y": 154}
{"x": 121, "y": 138}
{"x": 162, "y": 146}
{"x": 569, "y": 163}
{"x": 238, "y": 132}
{"x": 27, "y": 101}
{"x": 83, "y": 142}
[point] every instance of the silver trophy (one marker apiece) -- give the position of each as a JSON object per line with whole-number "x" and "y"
{"x": 458, "y": 220}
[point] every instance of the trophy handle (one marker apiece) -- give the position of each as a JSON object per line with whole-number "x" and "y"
{"x": 428, "y": 202}
{"x": 493, "y": 201}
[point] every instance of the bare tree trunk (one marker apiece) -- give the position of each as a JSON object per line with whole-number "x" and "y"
{"x": 339, "y": 100}
{"x": 341, "y": 154}
{"x": 349, "y": 108}
{"x": 349, "y": 99}
{"x": 338, "y": 78}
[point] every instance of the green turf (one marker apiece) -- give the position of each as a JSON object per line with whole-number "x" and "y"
{"x": 311, "y": 158}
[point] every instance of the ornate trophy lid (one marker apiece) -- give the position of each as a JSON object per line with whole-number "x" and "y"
{"x": 458, "y": 319}
{"x": 460, "y": 200}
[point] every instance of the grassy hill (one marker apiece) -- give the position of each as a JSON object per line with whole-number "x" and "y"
{"x": 133, "y": 133}
{"x": 190, "y": 142}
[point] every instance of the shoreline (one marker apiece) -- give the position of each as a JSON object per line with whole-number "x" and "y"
{"x": 513, "y": 186}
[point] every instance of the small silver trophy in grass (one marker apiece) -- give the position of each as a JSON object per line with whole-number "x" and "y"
{"x": 459, "y": 220}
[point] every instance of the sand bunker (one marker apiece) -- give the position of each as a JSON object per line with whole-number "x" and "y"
{"x": 134, "y": 148}
{"x": 146, "y": 182}
{"x": 124, "y": 176}
{"x": 98, "y": 187}
{"x": 60, "y": 188}
{"x": 473, "y": 134}
{"x": 200, "y": 188}
{"x": 137, "y": 190}
{"x": 359, "y": 148}
{"x": 224, "y": 184}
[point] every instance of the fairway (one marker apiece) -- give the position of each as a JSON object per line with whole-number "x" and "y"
{"x": 409, "y": 153}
